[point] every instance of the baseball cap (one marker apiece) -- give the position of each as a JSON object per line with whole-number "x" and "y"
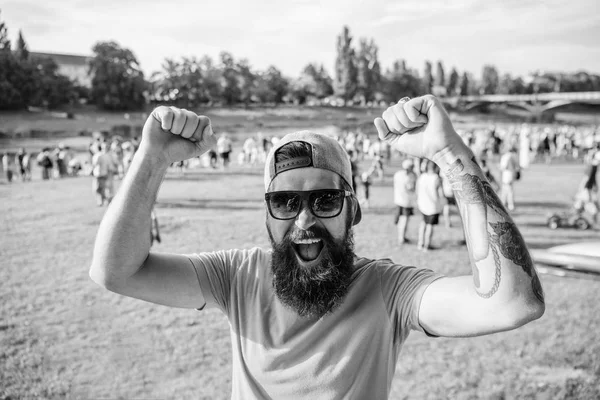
{"x": 326, "y": 153}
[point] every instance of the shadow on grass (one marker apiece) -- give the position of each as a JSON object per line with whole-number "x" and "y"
{"x": 534, "y": 224}
{"x": 545, "y": 242}
{"x": 541, "y": 204}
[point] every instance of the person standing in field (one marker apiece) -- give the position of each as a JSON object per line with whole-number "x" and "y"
{"x": 7, "y": 167}
{"x": 308, "y": 317}
{"x": 224, "y": 148}
{"x": 116, "y": 152}
{"x": 26, "y": 163}
{"x": 510, "y": 170}
{"x": 587, "y": 195}
{"x": 46, "y": 164}
{"x": 405, "y": 197}
{"x": 104, "y": 168}
{"x": 429, "y": 202}
{"x": 20, "y": 163}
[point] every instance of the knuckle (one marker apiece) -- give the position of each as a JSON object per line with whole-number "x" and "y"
{"x": 160, "y": 110}
{"x": 204, "y": 120}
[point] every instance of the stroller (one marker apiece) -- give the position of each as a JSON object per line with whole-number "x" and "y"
{"x": 577, "y": 216}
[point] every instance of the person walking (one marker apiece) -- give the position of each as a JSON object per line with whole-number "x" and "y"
{"x": 429, "y": 202}
{"x": 104, "y": 168}
{"x": 46, "y": 164}
{"x": 405, "y": 197}
{"x": 309, "y": 318}
{"x": 20, "y": 163}
{"x": 7, "y": 167}
{"x": 511, "y": 172}
{"x": 224, "y": 148}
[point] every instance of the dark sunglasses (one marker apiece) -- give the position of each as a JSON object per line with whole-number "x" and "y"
{"x": 324, "y": 203}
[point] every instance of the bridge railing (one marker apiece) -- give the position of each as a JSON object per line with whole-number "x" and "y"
{"x": 501, "y": 98}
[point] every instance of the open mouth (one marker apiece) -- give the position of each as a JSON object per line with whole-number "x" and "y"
{"x": 308, "y": 249}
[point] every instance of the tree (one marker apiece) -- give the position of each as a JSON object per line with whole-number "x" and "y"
{"x": 22, "y": 52}
{"x": 452, "y": 86}
{"x": 246, "y": 80}
{"x": 368, "y": 70}
{"x": 504, "y": 84}
{"x": 314, "y": 81}
{"x": 29, "y": 82}
{"x": 4, "y": 40}
{"x": 273, "y": 86}
{"x": 10, "y": 72}
{"x": 464, "y": 84}
{"x": 229, "y": 81}
{"x": 440, "y": 78}
{"x": 400, "y": 82}
{"x": 179, "y": 82}
{"x": 49, "y": 88}
{"x": 489, "y": 80}
{"x": 211, "y": 81}
{"x": 427, "y": 78}
{"x": 12, "y": 80}
{"x": 117, "y": 81}
{"x": 345, "y": 68}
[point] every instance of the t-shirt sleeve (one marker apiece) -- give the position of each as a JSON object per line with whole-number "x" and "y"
{"x": 216, "y": 271}
{"x": 402, "y": 289}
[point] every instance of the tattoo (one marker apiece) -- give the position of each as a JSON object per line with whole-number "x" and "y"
{"x": 512, "y": 246}
{"x": 505, "y": 239}
{"x": 497, "y": 272}
{"x": 472, "y": 189}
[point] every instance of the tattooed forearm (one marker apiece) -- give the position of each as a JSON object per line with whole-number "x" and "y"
{"x": 472, "y": 189}
{"x": 512, "y": 246}
{"x": 494, "y": 229}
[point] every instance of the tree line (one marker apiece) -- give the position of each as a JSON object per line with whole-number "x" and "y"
{"x": 118, "y": 82}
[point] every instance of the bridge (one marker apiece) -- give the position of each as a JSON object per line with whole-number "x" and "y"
{"x": 536, "y": 104}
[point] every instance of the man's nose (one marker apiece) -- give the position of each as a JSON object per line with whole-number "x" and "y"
{"x": 305, "y": 218}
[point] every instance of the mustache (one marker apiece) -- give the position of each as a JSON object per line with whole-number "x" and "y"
{"x": 314, "y": 232}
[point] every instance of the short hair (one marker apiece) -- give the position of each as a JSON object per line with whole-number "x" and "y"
{"x": 293, "y": 150}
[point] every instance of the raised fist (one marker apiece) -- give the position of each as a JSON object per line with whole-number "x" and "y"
{"x": 175, "y": 134}
{"x": 419, "y": 127}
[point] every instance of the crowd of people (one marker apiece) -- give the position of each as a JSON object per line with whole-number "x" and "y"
{"x": 419, "y": 186}
{"x": 53, "y": 163}
{"x": 511, "y": 147}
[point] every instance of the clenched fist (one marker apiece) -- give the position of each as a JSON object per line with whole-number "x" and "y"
{"x": 173, "y": 134}
{"x": 418, "y": 127}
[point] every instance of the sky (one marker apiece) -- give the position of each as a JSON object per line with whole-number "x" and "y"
{"x": 517, "y": 36}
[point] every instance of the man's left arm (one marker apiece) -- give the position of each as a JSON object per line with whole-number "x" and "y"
{"x": 504, "y": 291}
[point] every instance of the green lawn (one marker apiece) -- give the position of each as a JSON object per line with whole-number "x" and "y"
{"x": 61, "y": 336}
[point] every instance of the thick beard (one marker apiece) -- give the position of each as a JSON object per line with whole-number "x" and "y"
{"x": 320, "y": 289}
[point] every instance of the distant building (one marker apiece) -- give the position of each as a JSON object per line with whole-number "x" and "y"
{"x": 73, "y": 66}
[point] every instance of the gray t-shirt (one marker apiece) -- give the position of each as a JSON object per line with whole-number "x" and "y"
{"x": 350, "y": 353}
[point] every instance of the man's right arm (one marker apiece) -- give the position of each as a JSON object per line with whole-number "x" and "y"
{"x": 122, "y": 260}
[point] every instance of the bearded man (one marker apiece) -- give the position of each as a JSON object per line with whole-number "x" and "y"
{"x": 309, "y": 318}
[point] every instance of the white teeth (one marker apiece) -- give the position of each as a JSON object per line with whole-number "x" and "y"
{"x": 307, "y": 241}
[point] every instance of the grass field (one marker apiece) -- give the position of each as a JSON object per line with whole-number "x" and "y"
{"x": 61, "y": 336}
